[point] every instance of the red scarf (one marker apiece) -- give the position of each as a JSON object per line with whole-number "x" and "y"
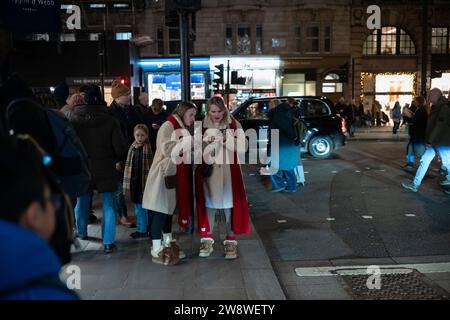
{"x": 183, "y": 187}
{"x": 240, "y": 215}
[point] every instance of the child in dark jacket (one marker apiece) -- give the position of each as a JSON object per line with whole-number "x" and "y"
{"x": 137, "y": 166}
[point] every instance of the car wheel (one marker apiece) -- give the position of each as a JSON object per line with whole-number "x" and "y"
{"x": 320, "y": 147}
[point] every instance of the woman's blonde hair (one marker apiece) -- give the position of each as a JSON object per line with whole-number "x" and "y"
{"x": 142, "y": 127}
{"x": 219, "y": 102}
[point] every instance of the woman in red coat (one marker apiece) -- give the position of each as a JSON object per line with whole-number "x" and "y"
{"x": 223, "y": 188}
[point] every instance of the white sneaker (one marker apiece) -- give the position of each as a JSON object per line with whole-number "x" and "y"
{"x": 206, "y": 247}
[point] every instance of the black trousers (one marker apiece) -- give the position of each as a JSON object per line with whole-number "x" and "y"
{"x": 161, "y": 223}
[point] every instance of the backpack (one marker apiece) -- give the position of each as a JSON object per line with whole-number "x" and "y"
{"x": 300, "y": 130}
{"x": 71, "y": 163}
{"x": 71, "y": 160}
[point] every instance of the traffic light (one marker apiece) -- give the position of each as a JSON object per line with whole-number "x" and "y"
{"x": 124, "y": 80}
{"x": 237, "y": 80}
{"x": 217, "y": 82}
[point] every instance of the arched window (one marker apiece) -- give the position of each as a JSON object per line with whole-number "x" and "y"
{"x": 331, "y": 83}
{"x": 389, "y": 41}
{"x": 332, "y": 76}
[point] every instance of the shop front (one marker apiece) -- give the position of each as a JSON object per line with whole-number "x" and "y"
{"x": 162, "y": 78}
{"x": 314, "y": 76}
{"x": 442, "y": 82}
{"x": 388, "y": 88}
{"x": 440, "y": 72}
{"x": 75, "y": 83}
{"x": 261, "y": 74}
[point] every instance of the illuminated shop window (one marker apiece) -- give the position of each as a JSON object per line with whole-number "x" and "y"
{"x": 331, "y": 83}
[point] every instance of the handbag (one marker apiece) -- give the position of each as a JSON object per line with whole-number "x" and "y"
{"x": 207, "y": 170}
{"x": 170, "y": 181}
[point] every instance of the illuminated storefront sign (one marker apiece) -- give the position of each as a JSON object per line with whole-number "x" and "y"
{"x": 163, "y": 77}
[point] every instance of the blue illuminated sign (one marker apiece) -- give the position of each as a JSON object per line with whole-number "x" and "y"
{"x": 172, "y": 64}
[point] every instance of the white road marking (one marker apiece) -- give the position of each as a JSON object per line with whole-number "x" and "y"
{"x": 331, "y": 219}
{"x": 281, "y": 221}
{"x": 361, "y": 270}
{"x": 410, "y": 215}
{"x": 357, "y": 171}
{"x": 367, "y": 217}
{"x": 333, "y": 171}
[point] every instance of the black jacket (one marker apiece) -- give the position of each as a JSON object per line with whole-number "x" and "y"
{"x": 149, "y": 119}
{"x": 104, "y": 142}
{"x": 438, "y": 126}
{"x": 418, "y": 126}
{"x": 136, "y": 187}
{"x": 128, "y": 118}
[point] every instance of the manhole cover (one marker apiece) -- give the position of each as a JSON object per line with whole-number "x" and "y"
{"x": 403, "y": 286}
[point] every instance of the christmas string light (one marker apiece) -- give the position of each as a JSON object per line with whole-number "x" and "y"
{"x": 370, "y": 74}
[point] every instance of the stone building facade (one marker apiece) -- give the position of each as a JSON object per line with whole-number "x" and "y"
{"x": 311, "y": 47}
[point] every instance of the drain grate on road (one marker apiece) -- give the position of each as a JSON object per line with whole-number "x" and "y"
{"x": 402, "y": 286}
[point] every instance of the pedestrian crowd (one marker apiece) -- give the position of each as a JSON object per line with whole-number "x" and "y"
{"x": 126, "y": 154}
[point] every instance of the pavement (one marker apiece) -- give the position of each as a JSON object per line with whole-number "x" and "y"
{"x": 350, "y": 214}
{"x": 130, "y": 274}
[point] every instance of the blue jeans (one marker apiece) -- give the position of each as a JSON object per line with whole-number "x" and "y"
{"x": 428, "y": 156}
{"x": 141, "y": 217}
{"x": 414, "y": 149}
{"x": 284, "y": 179}
{"x": 109, "y": 216}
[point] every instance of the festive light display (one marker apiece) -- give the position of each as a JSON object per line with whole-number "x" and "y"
{"x": 371, "y": 74}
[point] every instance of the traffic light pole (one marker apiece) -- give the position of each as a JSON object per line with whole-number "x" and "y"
{"x": 186, "y": 96}
{"x": 185, "y": 50}
{"x": 227, "y": 89}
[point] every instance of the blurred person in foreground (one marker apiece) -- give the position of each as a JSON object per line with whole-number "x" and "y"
{"x": 437, "y": 139}
{"x": 29, "y": 269}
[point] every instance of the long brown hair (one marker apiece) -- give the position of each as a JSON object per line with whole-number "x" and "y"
{"x": 182, "y": 108}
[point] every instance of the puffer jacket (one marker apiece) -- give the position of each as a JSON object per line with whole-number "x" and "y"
{"x": 104, "y": 142}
